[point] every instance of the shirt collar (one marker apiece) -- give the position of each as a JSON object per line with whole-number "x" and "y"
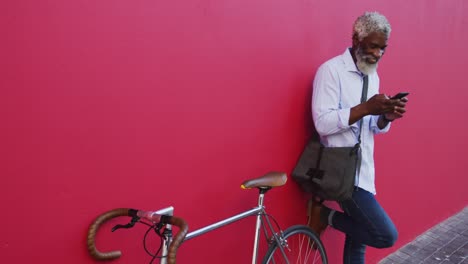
{"x": 349, "y": 62}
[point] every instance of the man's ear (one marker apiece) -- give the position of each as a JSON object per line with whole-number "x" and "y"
{"x": 355, "y": 40}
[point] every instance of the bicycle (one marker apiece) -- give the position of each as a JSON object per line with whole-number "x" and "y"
{"x": 296, "y": 244}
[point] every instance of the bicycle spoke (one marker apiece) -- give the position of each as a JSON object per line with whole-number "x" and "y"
{"x": 301, "y": 246}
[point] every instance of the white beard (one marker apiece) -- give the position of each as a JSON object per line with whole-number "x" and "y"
{"x": 362, "y": 65}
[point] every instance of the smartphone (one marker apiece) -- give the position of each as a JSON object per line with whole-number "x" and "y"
{"x": 399, "y": 95}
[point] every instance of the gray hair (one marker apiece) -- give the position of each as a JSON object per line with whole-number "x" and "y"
{"x": 371, "y": 22}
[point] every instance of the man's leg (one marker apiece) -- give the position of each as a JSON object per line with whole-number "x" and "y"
{"x": 364, "y": 221}
{"x": 353, "y": 252}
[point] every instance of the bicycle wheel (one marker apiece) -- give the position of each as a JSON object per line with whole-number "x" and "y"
{"x": 300, "y": 245}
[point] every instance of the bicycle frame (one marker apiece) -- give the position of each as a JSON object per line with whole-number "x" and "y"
{"x": 165, "y": 217}
{"x": 259, "y": 211}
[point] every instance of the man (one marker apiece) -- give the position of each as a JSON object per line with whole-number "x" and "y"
{"x": 337, "y": 110}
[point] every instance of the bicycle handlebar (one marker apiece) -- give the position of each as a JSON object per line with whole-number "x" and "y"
{"x": 171, "y": 256}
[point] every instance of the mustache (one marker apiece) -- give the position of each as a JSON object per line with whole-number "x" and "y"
{"x": 367, "y": 56}
{"x": 362, "y": 56}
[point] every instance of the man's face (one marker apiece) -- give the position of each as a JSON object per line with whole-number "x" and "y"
{"x": 369, "y": 51}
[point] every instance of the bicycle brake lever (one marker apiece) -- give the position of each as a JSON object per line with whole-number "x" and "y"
{"x": 132, "y": 223}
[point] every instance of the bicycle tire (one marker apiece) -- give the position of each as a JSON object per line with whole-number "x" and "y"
{"x": 300, "y": 244}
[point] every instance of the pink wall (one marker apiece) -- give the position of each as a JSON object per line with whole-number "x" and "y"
{"x": 153, "y": 103}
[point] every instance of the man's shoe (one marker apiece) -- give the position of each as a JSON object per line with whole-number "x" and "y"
{"x": 314, "y": 209}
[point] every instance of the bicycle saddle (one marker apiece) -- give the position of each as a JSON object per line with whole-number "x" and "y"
{"x": 271, "y": 179}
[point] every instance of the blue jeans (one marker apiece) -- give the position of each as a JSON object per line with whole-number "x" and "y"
{"x": 365, "y": 223}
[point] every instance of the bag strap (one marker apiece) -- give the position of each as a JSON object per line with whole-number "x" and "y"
{"x": 365, "y": 86}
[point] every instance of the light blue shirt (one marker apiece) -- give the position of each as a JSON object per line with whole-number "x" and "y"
{"x": 337, "y": 88}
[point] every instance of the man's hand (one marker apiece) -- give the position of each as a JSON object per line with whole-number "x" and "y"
{"x": 398, "y": 111}
{"x": 392, "y": 108}
{"x": 379, "y": 104}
